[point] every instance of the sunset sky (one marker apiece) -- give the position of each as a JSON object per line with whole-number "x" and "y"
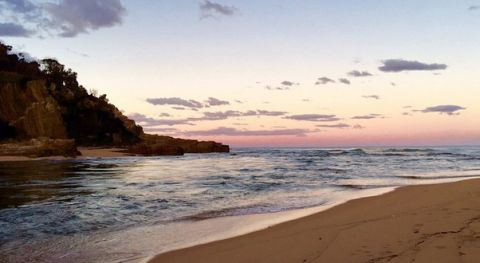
{"x": 271, "y": 73}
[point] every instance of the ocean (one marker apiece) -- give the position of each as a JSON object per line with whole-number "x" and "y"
{"x": 127, "y": 209}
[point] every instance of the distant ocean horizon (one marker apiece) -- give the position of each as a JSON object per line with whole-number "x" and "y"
{"x": 54, "y": 210}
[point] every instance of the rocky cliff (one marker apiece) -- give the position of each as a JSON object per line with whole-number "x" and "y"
{"x": 43, "y": 101}
{"x": 28, "y": 111}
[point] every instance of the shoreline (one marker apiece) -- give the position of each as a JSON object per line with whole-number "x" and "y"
{"x": 403, "y": 216}
{"x": 86, "y": 152}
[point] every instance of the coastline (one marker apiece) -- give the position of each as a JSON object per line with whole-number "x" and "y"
{"x": 86, "y": 152}
{"x": 425, "y": 223}
{"x": 90, "y": 152}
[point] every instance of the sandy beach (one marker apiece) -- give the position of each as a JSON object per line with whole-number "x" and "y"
{"x": 87, "y": 152}
{"x": 101, "y": 152}
{"x": 428, "y": 223}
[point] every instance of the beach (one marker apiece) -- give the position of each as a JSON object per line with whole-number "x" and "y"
{"x": 86, "y": 152}
{"x": 267, "y": 205}
{"x": 239, "y": 131}
{"x": 424, "y": 223}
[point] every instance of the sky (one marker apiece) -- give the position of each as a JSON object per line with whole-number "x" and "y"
{"x": 272, "y": 72}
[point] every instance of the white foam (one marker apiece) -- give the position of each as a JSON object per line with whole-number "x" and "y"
{"x": 141, "y": 243}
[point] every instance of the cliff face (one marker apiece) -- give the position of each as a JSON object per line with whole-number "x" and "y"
{"x": 33, "y": 109}
{"x": 45, "y": 101}
{"x": 30, "y": 111}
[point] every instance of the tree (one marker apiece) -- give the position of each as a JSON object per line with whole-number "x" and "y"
{"x": 93, "y": 92}
{"x": 104, "y": 98}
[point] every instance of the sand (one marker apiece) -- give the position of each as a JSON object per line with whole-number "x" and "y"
{"x": 87, "y": 152}
{"x": 429, "y": 223}
{"x": 101, "y": 152}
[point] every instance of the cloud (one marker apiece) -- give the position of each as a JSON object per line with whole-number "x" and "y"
{"x": 335, "y": 126}
{"x": 161, "y": 130}
{"x": 313, "y": 117}
{"x": 371, "y": 97}
{"x": 23, "y": 55}
{"x": 222, "y": 115}
{"x": 358, "y": 127}
{"x": 78, "y": 53}
{"x": 287, "y": 83}
{"x": 474, "y": 7}
{"x": 209, "y": 9}
{"x": 270, "y": 113}
{"x": 207, "y": 116}
{"x": 75, "y": 17}
{"x": 357, "y": 73}
{"x": 368, "y": 117}
{"x": 224, "y": 131}
{"x": 178, "y": 108}
{"x": 323, "y": 81}
{"x": 180, "y": 103}
{"x": 398, "y": 65}
{"x": 64, "y": 18}
{"x": 344, "y": 81}
{"x": 147, "y": 121}
{"x": 216, "y": 102}
{"x": 21, "y": 6}
{"x": 14, "y": 30}
{"x": 444, "y": 109}
{"x": 175, "y": 101}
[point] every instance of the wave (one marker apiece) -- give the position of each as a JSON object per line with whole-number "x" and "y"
{"x": 425, "y": 152}
{"x": 364, "y": 186}
{"x": 333, "y": 170}
{"x": 308, "y": 155}
{"x": 459, "y": 155}
{"x": 350, "y": 152}
{"x": 419, "y": 177}
{"x": 245, "y": 210}
{"x": 410, "y": 150}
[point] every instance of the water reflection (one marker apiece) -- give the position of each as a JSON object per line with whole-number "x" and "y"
{"x": 23, "y": 183}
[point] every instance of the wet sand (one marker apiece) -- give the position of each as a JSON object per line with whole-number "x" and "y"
{"x": 102, "y": 152}
{"x": 429, "y": 223}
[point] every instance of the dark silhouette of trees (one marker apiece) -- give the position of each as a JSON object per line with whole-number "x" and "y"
{"x": 16, "y": 63}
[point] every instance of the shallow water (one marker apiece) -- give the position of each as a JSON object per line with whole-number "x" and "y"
{"x": 56, "y": 206}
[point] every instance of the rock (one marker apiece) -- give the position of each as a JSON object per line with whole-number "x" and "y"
{"x": 42, "y": 119}
{"x": 40, "y": 147}
{"x": 188, "y": 146}
{"x": 45, "y": 111}
{"x": 155, "y": 149}
{"x": 31, "y": 111}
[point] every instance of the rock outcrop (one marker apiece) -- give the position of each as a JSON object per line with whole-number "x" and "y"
{"x": 166, "y": 145}
{"x": 30, "y": 111}
{"x": 44, "y": 100}
{"x": 188, "y": 146}
{"x": 41, "y": 147}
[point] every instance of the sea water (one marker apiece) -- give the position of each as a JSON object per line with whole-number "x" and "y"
{"x": 129, "y": 208}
